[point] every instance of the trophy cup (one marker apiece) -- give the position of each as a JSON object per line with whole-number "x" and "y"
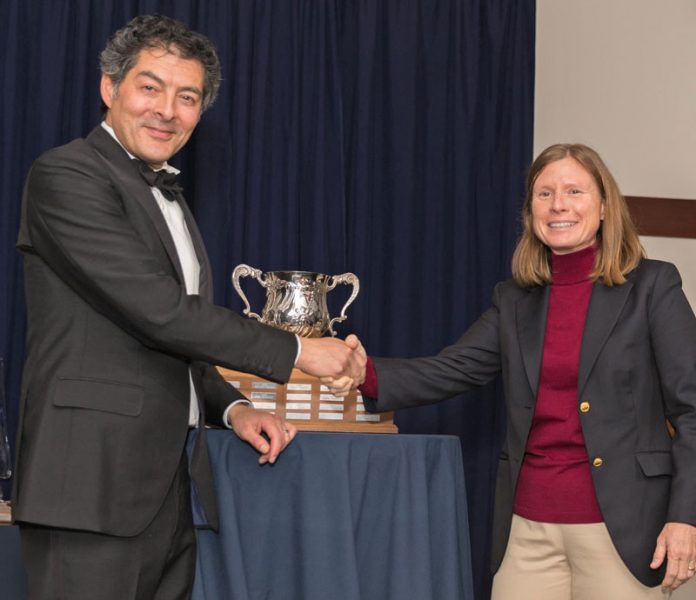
{"x": 296, "y": 302}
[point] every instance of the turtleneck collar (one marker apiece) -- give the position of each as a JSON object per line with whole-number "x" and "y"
{"x": 574, "y": 267}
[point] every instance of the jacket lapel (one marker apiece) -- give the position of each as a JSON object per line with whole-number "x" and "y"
{"x": 531, "y": 326}
{"x": 126, "y": 173}
{"x": 603, "y": 312}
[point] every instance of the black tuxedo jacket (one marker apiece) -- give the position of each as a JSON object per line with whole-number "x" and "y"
{"x": 637, "y": 368}
{"x": 111, "y": 335}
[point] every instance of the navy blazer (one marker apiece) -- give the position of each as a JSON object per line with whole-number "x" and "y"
{"x": 111, "y": 336}
{"x": 637, "y": 369}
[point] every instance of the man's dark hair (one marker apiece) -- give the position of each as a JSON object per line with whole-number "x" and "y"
{"x": 156, "y": 31}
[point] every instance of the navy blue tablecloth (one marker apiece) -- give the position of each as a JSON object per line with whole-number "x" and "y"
{"x": 338, "y": 517}
{"x": 12, "y": 577}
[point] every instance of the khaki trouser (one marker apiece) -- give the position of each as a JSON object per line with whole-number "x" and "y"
{"x": 551, "y": 561}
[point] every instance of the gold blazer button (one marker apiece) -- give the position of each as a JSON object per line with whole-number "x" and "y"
{"x": 584, "y": 407}
{"x": 597, "y": 462}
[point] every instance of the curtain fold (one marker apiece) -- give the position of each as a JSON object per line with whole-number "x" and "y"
{"x": 388, "y": 138}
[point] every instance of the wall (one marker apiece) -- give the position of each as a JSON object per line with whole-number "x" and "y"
{"x": 620, "y": 75}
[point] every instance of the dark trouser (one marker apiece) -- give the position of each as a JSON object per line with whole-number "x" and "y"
{"x": 157, "y": 564}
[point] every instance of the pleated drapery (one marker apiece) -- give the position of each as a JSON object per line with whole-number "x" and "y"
{"x": 388, "y": 138}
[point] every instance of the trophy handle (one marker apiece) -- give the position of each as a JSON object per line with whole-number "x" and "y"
{"x": 331, "y": 284}
{"x": 246, "y": 271}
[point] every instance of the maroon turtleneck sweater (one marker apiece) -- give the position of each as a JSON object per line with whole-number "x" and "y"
{"x": 555, "y": 484}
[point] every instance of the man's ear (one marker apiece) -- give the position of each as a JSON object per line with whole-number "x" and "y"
{"x": 106, "y": 89}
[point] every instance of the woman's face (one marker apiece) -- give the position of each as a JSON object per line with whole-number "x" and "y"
{"x": 566, "y": 206}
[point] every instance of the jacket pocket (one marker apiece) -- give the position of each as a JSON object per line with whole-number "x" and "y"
{"x": 94, "y": 394}
{"x": 655, "y": 463}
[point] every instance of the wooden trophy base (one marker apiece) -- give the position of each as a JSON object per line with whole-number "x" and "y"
{"x": 309, "y": 405}
{"x": 5, "y": 513}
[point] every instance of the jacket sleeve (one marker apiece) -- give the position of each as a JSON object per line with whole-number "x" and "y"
{"x": 78, "y": 223}
{"x": 218, "y": 394}
{"x": 472, "y": 361}
{"x": 673, "y": 336}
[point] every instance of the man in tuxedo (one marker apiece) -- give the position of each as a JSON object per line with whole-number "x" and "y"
{"x": 122, "y": 336}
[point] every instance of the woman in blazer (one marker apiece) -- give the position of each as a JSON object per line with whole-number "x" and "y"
{"x": 595, "y": 494}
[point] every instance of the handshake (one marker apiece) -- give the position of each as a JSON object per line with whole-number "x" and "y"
{"x": 339, "y": 364}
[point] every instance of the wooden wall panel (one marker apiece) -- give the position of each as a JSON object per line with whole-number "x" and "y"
{"x": 663, "y": 217}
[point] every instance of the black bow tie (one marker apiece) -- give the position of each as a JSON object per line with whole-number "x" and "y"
{"x": 163, "y": 180}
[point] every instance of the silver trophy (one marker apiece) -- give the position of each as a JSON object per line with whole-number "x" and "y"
{"x": 296, "y": 300}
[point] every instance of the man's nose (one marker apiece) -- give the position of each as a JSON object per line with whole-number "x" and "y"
{"x": 165, "y": 107}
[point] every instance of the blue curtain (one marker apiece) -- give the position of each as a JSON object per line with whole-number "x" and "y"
{"x": 388, "y": 138}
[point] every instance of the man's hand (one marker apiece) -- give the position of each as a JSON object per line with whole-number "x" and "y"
{"x": 249, "y": 423}
{"x": 677, "y": 542}
{"x": 341, "y": 386}
{"x": 333, "y": 358}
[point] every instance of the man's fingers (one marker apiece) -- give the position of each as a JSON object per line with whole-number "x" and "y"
{"x": 290, "y": 431}
{"x": 280, "y": 434}
{"x": 257, "y": 441}
{"x": 250, "y": 424}
{"x": 358, "y": 360}
{"x": 277, "y": 445}
{"x": 354, "y": 342}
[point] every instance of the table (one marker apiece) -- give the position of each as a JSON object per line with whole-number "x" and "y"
{"x": 12, "y": 578}
{"x": 340, "y": 517}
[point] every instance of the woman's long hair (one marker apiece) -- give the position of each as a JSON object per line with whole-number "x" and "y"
{"x": 618, "y": 247}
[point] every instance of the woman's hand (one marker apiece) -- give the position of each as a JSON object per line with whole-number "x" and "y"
{"x": 676, "y": 542}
